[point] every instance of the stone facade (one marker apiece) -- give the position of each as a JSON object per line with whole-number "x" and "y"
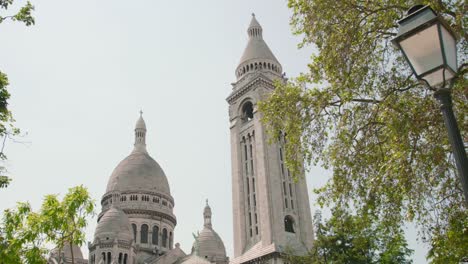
{"x": 271, "y": 212}
{"x": 139, "y": 189}
{"x": 136, "y": 224}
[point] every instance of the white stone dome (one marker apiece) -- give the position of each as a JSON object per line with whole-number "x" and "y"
{"x": 66, "y": 252}
{"x": 210, "y": 244}
{"x": 114, "y": 224}
{"x": 138, "y": 172}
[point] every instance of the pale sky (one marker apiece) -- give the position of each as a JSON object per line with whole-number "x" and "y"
{"x": 79, "y": 77}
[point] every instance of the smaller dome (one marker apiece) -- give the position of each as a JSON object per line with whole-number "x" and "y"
{"x": 66, "y": 252}
{"x": 210, "y": 244}
{"x": 114, "y": 224}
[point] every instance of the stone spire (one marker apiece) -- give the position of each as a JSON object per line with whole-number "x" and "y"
{"x": 257, "y": 55}
{"x": 255, "y": 30}
{"x": 207, "y": 215}
{"x": 140, "y": 134}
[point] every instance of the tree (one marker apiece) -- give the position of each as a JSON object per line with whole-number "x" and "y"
{"x": 23, "y": 233}
{"x": 359, "y": 112}
{"x": 6, "y": 119}
{"x": 347, "y": 238}
{"x": 21, "y": 240}
{"x": 64, "y": 222}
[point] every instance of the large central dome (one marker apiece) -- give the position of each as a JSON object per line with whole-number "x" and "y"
{"x": 139, "y": 172}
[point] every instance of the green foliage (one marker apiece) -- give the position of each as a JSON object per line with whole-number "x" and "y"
{"x": 20, "y": 237}
{"x": 24, "y": 232}
{"x": 6, "y": 119}
{"x": 353, "y": 239}
{"x": 66, "y": 220}
{"x": 23, "y": 15}
{"x": 446, "y": 242}
{"x": 4, "y": 181}
{"x": 359, "y": 112}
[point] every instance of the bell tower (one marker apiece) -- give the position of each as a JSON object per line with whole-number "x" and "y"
{"x": 271, "y": 212}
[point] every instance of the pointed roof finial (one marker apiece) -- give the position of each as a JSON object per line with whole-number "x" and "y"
{"x": 206, "y": 202}
{"x": 141, "y": 113}
{"x": 255, "y": 29}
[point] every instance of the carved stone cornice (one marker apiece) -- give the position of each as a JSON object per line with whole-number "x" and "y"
{"x": 258, "y": 80}
{"x": 169, "y": 198}
{"x": 162, "y": 215}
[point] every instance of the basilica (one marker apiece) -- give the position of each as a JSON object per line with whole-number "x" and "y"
{"x": 271, "y": 212}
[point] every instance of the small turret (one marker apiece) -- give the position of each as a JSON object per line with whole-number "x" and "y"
{"x": 207, "y": 215}
{"x": 140, "y": 134}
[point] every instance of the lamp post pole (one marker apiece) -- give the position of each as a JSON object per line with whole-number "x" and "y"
{"x": 445, "y": 99}
{"x": 429, "y": 46}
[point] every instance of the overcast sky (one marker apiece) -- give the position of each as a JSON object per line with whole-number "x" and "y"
{"x": 79, "y": 77}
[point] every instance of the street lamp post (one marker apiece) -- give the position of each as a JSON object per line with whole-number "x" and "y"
{"x": 429, "y": 46}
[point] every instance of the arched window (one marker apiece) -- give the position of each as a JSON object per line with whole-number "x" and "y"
{"x": 170, "y": 240}
{"x": 144, "y": 234}
{"x": 247, "y": 111}
{"x": 109, "y": 258}
{"x": 103, "y": 257}
{"x": 120, "y": 258}
{"x": 125, "y": 258}
{"x": 289, "y": 224}
{"x": 164, "y": 237}
{"x": 155, "y": 235}
{"x": 134, "y": 227}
